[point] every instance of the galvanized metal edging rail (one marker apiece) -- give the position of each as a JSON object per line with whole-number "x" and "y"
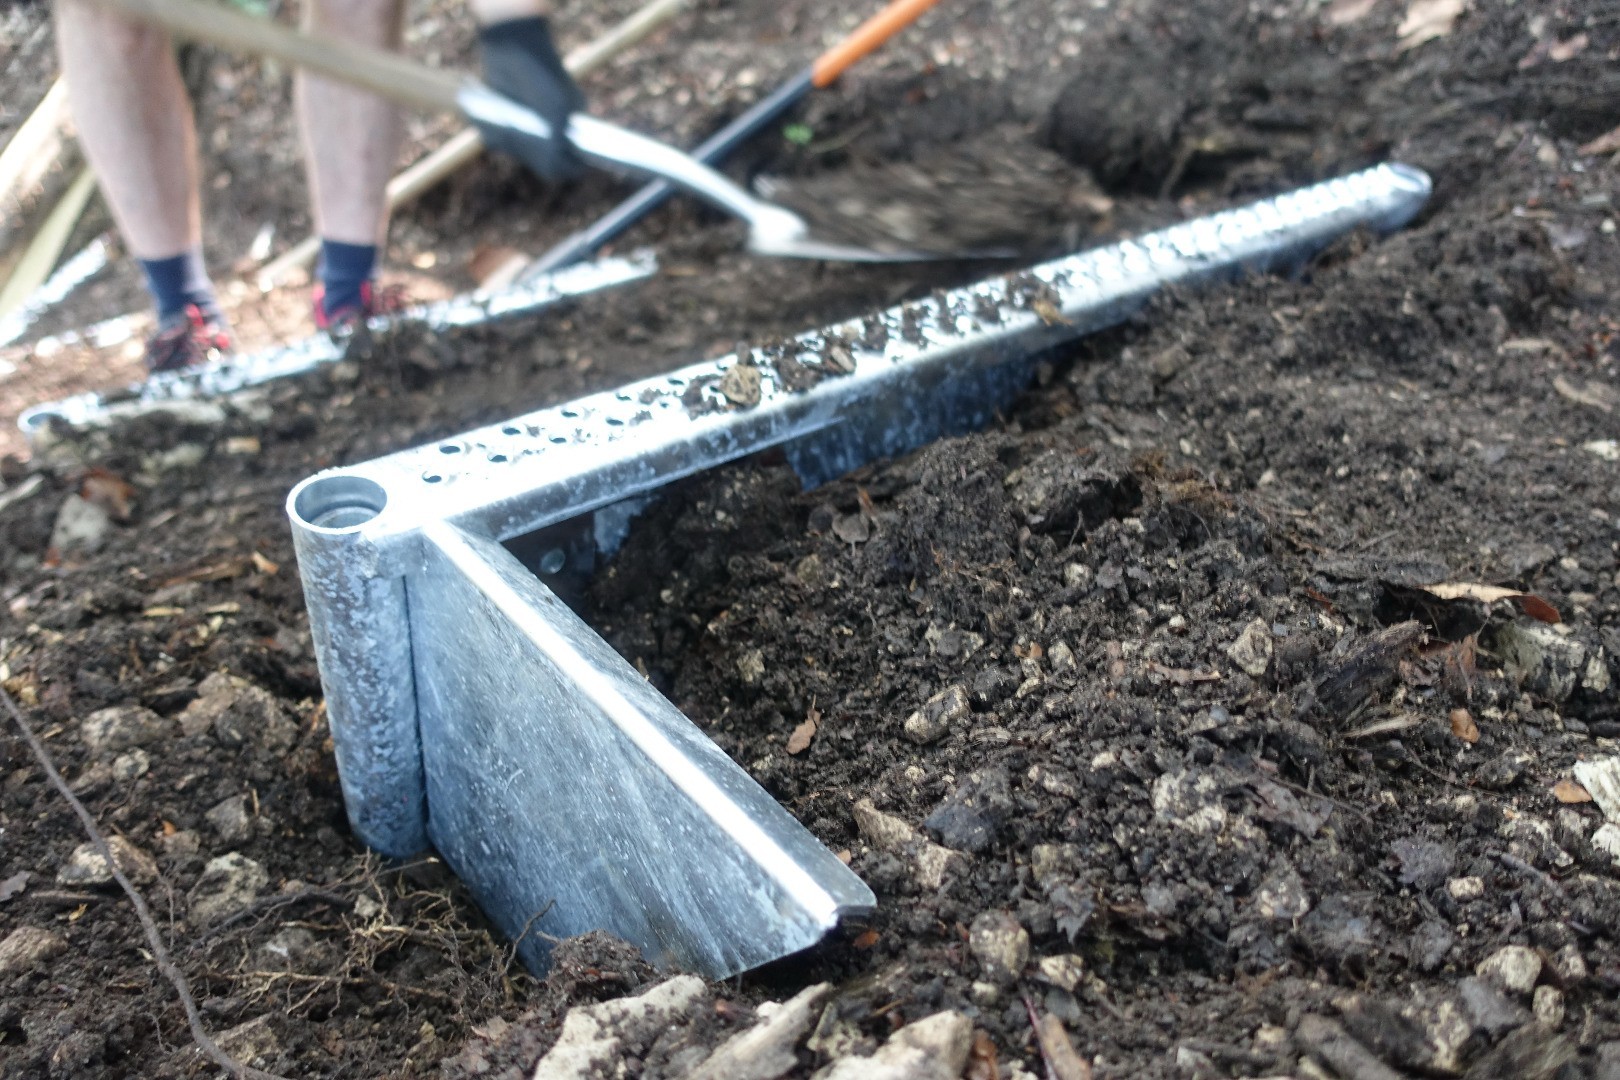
{"x": 471, "y": 710}
{"x": 238, "y": 373}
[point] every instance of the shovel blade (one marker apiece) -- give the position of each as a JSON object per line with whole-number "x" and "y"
{"x": 570, "y": 796}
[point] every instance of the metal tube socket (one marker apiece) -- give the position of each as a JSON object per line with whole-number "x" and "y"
{"x": 361, "y": 628}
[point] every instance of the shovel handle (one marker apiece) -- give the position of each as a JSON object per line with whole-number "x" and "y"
{"x": 388, "y": 74}
{"x": 866, "y": 37}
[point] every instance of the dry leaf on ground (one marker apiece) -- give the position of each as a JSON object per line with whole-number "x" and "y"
{"x": 1529, "y": 603}
{"x": 1594, "y": 394}
{"x": 1568, "y": 49}
{"x": 1463, "y": 726}
{"x": 109, "y": 491}
{"x": 1345, "y": 12}
{"x": 1607, "y": 143}
{"x": 799, "y": 740}
{"x": 1428, "y": 19}
{"x": 1062, "y": 1060}
{"x": 1568, "y": 791}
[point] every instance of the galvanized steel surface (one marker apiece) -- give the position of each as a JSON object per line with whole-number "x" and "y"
{"x": 559, "y": 781}
{"x": 237, "y": 373}
{"x": 547, "y": 767}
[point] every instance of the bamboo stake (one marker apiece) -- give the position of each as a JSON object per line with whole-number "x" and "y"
{"x": 35, "y": 146}
{"x": 464, "y": 146}
{"x": 46, "y": 247}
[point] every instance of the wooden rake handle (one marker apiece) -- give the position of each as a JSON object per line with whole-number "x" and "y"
{"x": 388, "y": 74}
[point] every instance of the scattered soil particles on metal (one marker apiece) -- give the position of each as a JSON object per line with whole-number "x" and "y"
{"x": 1149, "y": 714}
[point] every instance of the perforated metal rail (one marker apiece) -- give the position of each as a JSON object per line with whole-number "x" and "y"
{"x": 243, "y": 372}
{"x": 472, "y": 711}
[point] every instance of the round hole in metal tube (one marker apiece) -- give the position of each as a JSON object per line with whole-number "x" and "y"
{"x": 339, "y": 501}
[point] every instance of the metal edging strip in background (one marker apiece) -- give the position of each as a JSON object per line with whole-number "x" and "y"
{"x": 404, "y": 575}
{"x": 237, "y": 373}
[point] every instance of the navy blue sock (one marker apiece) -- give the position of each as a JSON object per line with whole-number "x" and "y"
{"x": 178, "y": 281}
{"x": 344, "y": 271}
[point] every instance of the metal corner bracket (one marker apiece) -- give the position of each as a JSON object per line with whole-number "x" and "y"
{"x": 472, "y": 711}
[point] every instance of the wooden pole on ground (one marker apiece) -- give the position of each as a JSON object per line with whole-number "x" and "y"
{"x": 465, "y": 145}
{"x": 28, "y": 167}
{"x": 35, "y": 145}
{"x": 45, "y": 249}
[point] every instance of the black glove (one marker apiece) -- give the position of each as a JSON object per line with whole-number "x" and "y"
{"x": 521, "y": 62}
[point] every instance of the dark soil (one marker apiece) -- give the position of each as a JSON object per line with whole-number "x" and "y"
{"x": 1261, "y": 803}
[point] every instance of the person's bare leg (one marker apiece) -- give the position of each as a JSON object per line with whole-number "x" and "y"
{"x": 351, "y": 137}
{"x": 134, "y": 123}
{"x": 493, "y": 11}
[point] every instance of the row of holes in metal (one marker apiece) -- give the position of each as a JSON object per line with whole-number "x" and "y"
{"x": 1182, "y": 242}
{"x": 451, "y": 449}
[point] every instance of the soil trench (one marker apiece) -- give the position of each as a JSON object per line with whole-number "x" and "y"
{"x": 1242, "y": 705}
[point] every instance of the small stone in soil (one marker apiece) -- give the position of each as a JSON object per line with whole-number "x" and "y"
{"x": 131, "y": 766}
{"x": 1601, "y": 778}
{"x": 938, "y": 715}
{"x": 239, "y": 714}
{"x": 1424, "y": 863}
{"x": 1607, "y": 841}
{"x": 883, "y": 831}
{"x": 852, "y": 528}
{"x": 1548, "y": 663}
{"x": 970, "y": 818}
{"x": 1513, "y": 968}
{"x": 1065, "y": 971}
{"x": 934, "y": 863}
{"x": 1252, "y": 650}
{"x": 1282, "y": 894}
{"x": 767, "y": 1050}
{"x": 1054, "y": 781}
{"x": 230, "y": 818}
{"x": 26, "y": 947}
{"x": 1000, "y": 945}
{"x": 933, "y": 1048}
{"x": 228, "y": 884}
{"x": 1051, "y": 864}
{"x": 122, "y": 727}
{"x": 86, "y": 866}
{"x": 740, "y": 385}
{"x": 593, "y": 1034}
{"x": 81, "y": 525}
{"x": 1568, "y": 965}
{"x": 1548, "y": 1005}
{"x": 253, "y": 1043}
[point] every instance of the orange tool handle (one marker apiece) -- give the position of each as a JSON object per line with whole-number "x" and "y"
{"x": 868, "y": 36}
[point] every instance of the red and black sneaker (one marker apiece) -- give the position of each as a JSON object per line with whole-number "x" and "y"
{"x": 389, "y": 300}
{"x": 187, "y": 340}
